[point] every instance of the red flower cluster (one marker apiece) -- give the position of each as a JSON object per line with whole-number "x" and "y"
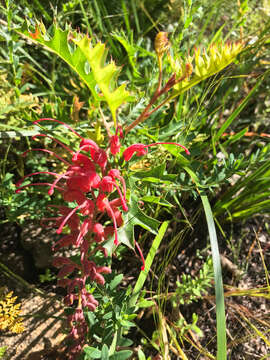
{"x": 98, "y": 190}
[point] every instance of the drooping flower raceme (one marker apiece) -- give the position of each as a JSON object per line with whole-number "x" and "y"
{"x": 99, "y": 192}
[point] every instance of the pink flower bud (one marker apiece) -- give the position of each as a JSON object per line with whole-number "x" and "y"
{"x": 99, "y": 279}
{"x": 104, "y": 269}
{"x": 66, "y": 270}
{"x": 78, "y": 315}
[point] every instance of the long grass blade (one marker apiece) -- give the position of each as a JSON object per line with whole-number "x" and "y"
{"x": 220, "y": 305}
{"x": 148, "y": 262}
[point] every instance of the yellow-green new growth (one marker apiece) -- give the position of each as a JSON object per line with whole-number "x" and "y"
{"x": 86, "y": 60}
{"x": 219, "y": 57}
{"x": 205, "y": 63}
{"x": 105, "y": 75}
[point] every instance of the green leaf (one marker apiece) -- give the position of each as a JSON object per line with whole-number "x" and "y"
{"x": 137, "y": 217}
{"x": 134, "y": 216}
{"x": 126, "y": 232}
{"x": 104, "y": 352}
{"x": 145, "y": 303}
{"x": 148, "y": 262}
{"x": 92, "y": 353}
{"x": 130, "y": 49}
{"x": 237, "y": 111}
{"x": 155, "y": 174}
{"x": 116, "y": 281}
{"x": 124, "y": 342}
{"x": 141, "y": 355}
{"x": 220, "y": 305}
{"x": 156, "y": 200}
{"x": 126, "y": 323}
{"x": 122, "y": 355}
{"x": 104, "y": 75}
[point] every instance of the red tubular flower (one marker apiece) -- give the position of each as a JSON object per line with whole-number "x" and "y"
{"x": 141, "y": 255}
{"x": 85, "y": 227}
{"x": 68, "y": 217}
{"x": 88, "y": 182}
{"x": 84, "y": 181}
{"x": 60, "y": 261}
{"x": 115, "y": 144}
{"x": 65, "y": 270}
{"x": 86, "y": 147}
{"x": 18, "y": 184}
{"x": 98, "y": 229}
{"x": 141, "y": 149}
{"x": 87, "y": 208}
{"x": 74, "y": 195}
{"x": 65, "y": 241}
{"x": 118, "y": 217}
{"x": 104, "y": 270}
{"x": 106, "y": 184}
{"x": 111, "y": 213}
{"x": 89, "y": 145}
{"x": 84, "y": 162}
{"x": 100, "y": 158}
{"x": 100, "y": 202}
{"x": 115, "y": 174}
{"x": 99, "y": 279}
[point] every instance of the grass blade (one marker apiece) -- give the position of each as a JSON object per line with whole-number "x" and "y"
{"x": 220, "y": 305}
{"x": 148, "y": 262}
{"x": 237, "y": 111}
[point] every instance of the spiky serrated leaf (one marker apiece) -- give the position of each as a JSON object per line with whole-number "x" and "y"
{"x": 104, "y": 75}
{"x": 135, "y": 216}
{"x": 80, "y": 57}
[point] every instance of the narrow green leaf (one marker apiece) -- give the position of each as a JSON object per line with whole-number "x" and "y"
{"x": 156, "y": 200}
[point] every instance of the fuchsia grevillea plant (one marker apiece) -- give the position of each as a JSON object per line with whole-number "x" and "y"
{"x": 98, "y": 189}
{"x": 91, "y": 179}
